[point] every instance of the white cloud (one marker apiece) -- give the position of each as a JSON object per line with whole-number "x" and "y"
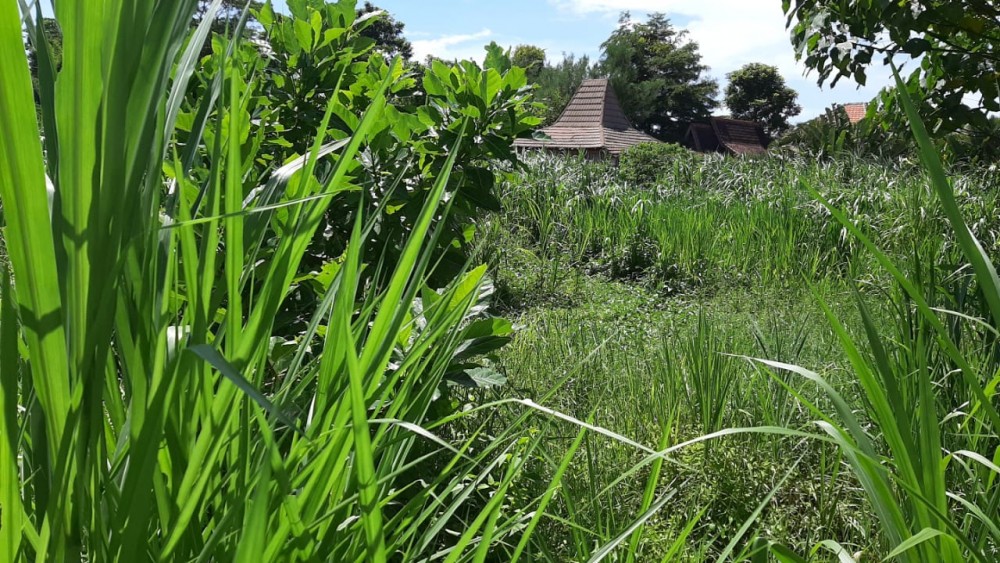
{"x": 729, "y": 33}
{"x": 462, "y": 46}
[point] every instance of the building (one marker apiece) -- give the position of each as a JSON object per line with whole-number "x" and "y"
{"x": 855, "y": 111}
{"x": 592, "y": 123}
{"x": 731, "y": 136}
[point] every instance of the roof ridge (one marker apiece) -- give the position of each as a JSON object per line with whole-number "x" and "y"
{"x": 604, "y": 112}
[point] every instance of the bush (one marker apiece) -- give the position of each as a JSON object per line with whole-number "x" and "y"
{"x": 832, "y": 135}
{"x": 645, "y": 163}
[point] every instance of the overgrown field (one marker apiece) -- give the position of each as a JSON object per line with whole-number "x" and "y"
{"x": 639, "y": 307}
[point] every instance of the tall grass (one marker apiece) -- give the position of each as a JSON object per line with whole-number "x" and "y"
{"x": 143, "y": 415}
{"x": 929, "y": 465}
{"x": 153, "y": 409}
{"x": 146, "y": 414}
{"x": 718, "y": 223}
{"x": 903, "y": 392}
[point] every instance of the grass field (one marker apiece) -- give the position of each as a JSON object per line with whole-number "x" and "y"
{"x": 639, "y": 306}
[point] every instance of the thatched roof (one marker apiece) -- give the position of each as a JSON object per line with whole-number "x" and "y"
{"x": 593, "y": 120}
{"x": 727, "y": 135}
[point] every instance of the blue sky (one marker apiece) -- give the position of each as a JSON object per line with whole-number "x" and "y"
{"x": 729, "y": 33}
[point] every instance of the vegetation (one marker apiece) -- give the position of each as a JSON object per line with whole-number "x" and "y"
{"x": 757, "y": 92}
{"x": 646, "y": 164}
{"x": 531, "y": 59}
{"x": 157, "y": 402}
{"x": 387, "y": 32}
{"x": 310, "y": 305}
{"x": 658, "y": 76}
{"x": 555, "y": 83}
{"x": 832, "y": 135}
{"x": 952, "y": 42}
{"x": 633, "y": 298}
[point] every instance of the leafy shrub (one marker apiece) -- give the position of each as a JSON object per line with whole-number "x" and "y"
{"x": 645, "y": 163}
{"x": 833, "y": 135}
{"x": 305, "y": 67}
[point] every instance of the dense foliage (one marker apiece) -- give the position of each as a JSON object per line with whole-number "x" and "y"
{"x": 636, "y": 297}
{"x": 157, "y": 402}
{"x": 387, "y": 32}
{"x": 952, "y": 45}
{"x": 554, "y": 83}
{"x": 531, "y": 59}
{"x": 757, "y": 92}
{"x": 657, "y": 73}
{"x": 646, "y": 164}
{"x": 832, "y": 135}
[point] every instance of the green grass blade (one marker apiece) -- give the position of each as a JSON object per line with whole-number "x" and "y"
{"x": 651, "y": 483}
{"x": 233, "y": 224}
{"x": 371, "y": 514}
{"x": 755, "y": 514}
{"x": 678, "y": 544}
{"x": 213, "y": 357}
{"x": 550, "y": 492}
{"x": 609, "y": 547}
{"x": 986, "y": 273}
{"x": 916, "y": 539}
{"x": 11, "y": 505}
{"x": 29, "y": 239}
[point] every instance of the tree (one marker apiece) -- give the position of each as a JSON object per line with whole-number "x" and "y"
{"x": 957, "y": 45}
{"x": 531, "y": 59}
{"x": 658, "y": 76}
{"x": 226, "y": 19}
{"x": 554, "y": 84}
{"x": 387, "y": 33}
{"x": 757, "y": 92}
{"x": 557, "y": 83}
{"x": 228, "y": 15}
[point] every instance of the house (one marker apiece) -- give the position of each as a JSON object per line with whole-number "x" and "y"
{"x": 855, "y": 111}
{"x": 592, "y": 123}
{"x": 722, "y": 134}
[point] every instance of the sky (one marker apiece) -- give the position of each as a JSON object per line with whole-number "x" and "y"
{"x": 729, "y": 33}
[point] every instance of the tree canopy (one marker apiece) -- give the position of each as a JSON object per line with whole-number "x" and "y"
{"x": 387, "y": 33}
{"x": 228, "y": 14}
{"x": 657, "y": 73}
{"x": 531, "y": 59}
{"x": 956, "y": 46}
{"x": 555, "y": 83}
{"x": 757, "y": 92}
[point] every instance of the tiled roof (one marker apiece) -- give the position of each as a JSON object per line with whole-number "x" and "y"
{"x": 855, "y": 111}
{"x": 593, "y": 119}
{"x": 701, "y": 137}
{"x": 740, "y": 137}
{"x": 732, "y": 135}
